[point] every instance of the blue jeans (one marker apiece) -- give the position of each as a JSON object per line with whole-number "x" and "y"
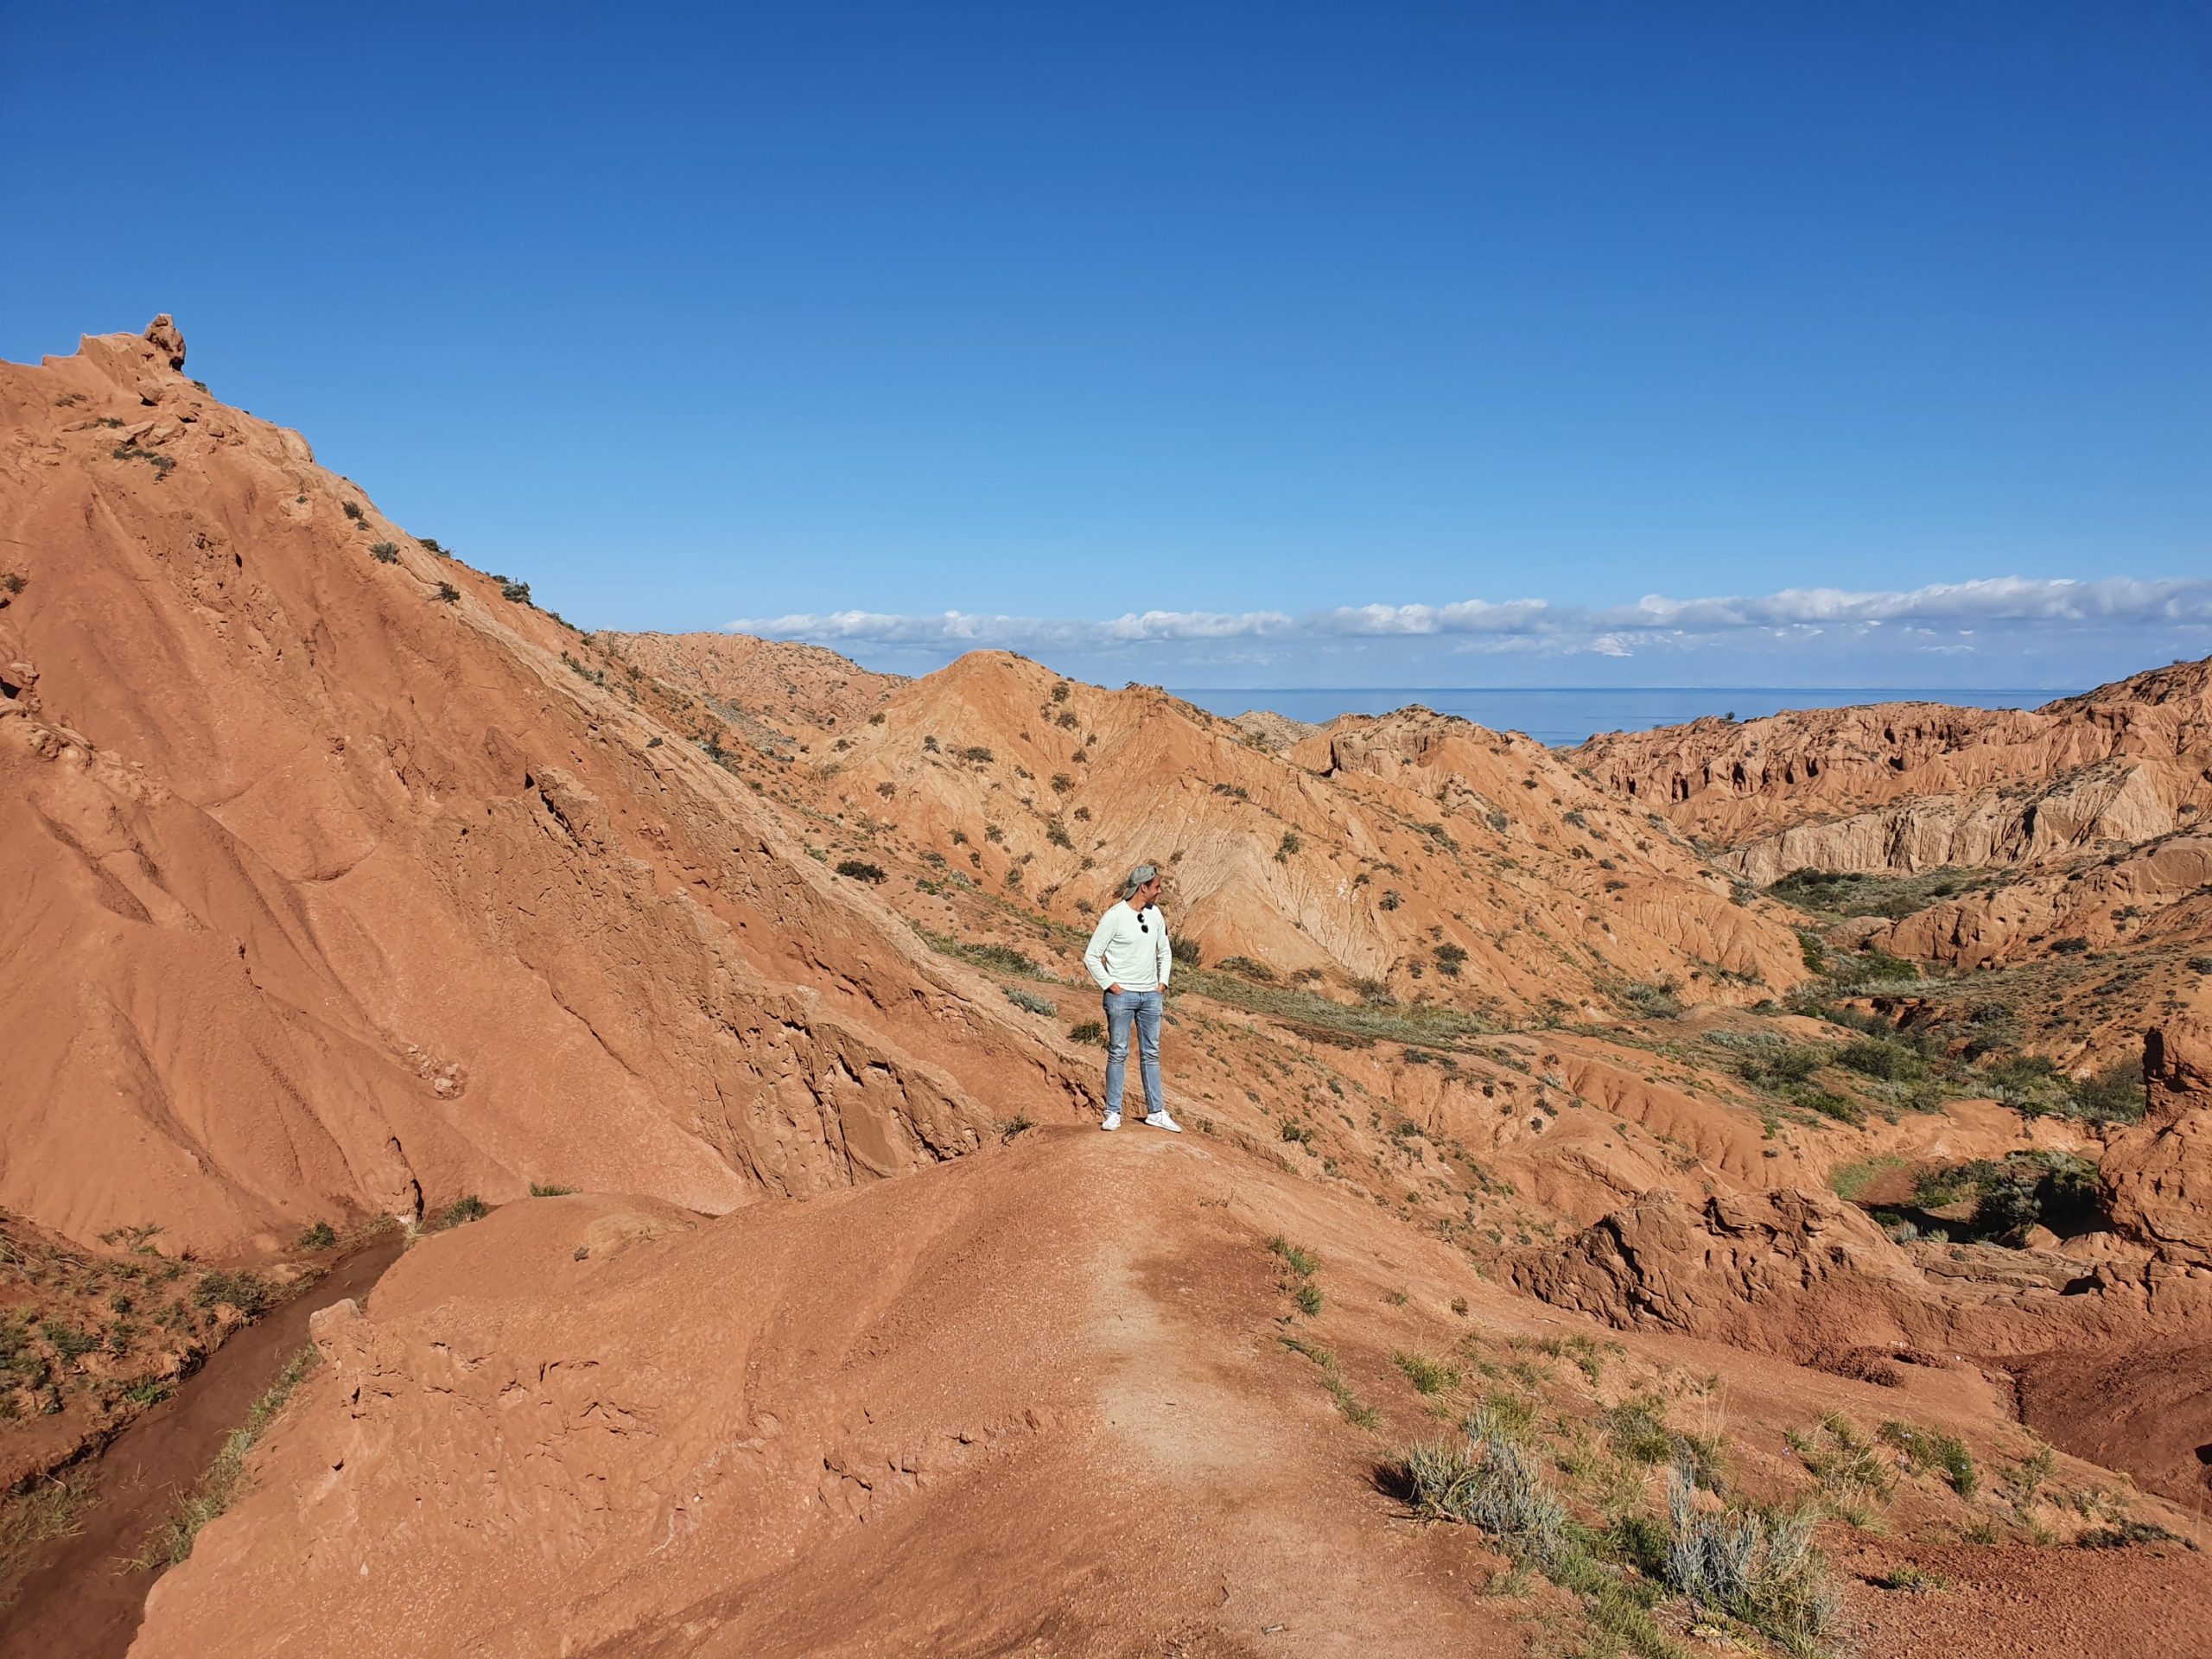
{"x": 1142, "y": 1009}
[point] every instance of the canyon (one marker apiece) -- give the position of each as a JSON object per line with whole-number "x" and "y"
{"x": 1809, "y": 1115}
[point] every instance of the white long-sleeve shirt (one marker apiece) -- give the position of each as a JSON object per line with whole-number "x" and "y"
{"x": 1130, "y": 950}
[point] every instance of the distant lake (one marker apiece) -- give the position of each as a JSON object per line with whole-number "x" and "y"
{"x": 1566, "y": 715}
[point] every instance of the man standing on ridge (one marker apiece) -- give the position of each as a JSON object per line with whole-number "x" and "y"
{"x": 1131, "y": 959}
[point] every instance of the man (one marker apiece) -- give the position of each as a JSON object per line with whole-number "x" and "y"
{"x": 1130, "y": 959}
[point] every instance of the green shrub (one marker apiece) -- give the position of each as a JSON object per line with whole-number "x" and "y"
{"x": 461, "y": 1209}
{"x": 1654, "y": 999}
{"x": 860, "y": 870}
{"x": 1772, "y": 1065}
{"x": 1248, "y": 967}
{"x": 351, "y": 510}
{"x": 321, "y": 1237}
{"x": 385, "y": 552}
{"x": 246, "y": 1292}
{"x": 1638, "y": 1428}
{"x": 1087, "y": 1031}
{"x": 12, "y": 583}
{"x": 160, "y": 463}
{"x": 1925, "y": 1450}
{"x": 1428, "y": 1376}
{"x": 1872, "y": 1057}
{"x": 2115, "y": 1095}
{"x": 1290, "y": 843}
{"x": 1299, "y": 1261}
{"x": 448, "y": 593}
{"x": 1449, "y": 959}
{"x": 1004, "y": 957}
{"x": 516, "y": 591}
{"x": 1187, "y": 952}
{"x": 548, "y": 1190}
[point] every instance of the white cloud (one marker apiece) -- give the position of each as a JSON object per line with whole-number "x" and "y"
{"x": 1537, "y": 624}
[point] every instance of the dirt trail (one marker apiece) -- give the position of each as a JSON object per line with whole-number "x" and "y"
{"x": 79, "y": 1598}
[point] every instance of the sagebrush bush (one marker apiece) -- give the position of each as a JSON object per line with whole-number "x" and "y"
{"x": 1029, "y": 1001}
{"x": 860, "y": 870}
{"x": 1653, "y": 999}
{"x": 1758, "y": 1566}
{"x": 385, "y": 552}
{"x": 1493, "y": 1483}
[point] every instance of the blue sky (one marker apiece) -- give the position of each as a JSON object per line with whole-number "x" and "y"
{"x": 1204, "y": 344}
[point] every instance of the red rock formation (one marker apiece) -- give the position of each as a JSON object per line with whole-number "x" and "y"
{"x": 2158, "y": 1177}
{"x": 323, "y": 894}
{"x": 1915, "y": 786}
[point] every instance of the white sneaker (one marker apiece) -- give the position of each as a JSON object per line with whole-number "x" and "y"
{"x": 1161, "y": 1121}
{"x": 1113, "y": 1121}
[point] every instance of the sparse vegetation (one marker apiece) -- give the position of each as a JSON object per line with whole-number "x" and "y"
{"x": 448, "y": 593}
{"x": 320, "y": 1236}
{"x": 1426, "y": 1375}
{"x": 1758, "y": 1566}
{"x": 224, "y": 1481}
{"x": 13, "y": 582}
{"x": 1087, "y": 1031}
{"x": 1845, "y": 893}
{"x": 548, "y": 1190}
{"x": 37, "y": 1512}
{"x": 1924, "y": 1450}
{"x": 160, "y": 463}
{"x": 385, "y": 552}
{"x": 1854, "y": 1478}
{"x": 351, "y": 510}
{"x": 1653, "y": 999}
{"x": 860, "y": 870}
{"x": 461, "y": 1211}
{"x": 1029, "y": 1001}
{"x": 1003, "y": 957}
{"x": 516, "y": 591}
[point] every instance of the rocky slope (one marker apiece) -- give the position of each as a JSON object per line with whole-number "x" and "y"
{"x": 1917, "y": 786}
{"x": 339, "y": 881}
{"x": 1363, "y": 856}
{"x": 1037, "y": 1400}
{"x": 333, "y": 883}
